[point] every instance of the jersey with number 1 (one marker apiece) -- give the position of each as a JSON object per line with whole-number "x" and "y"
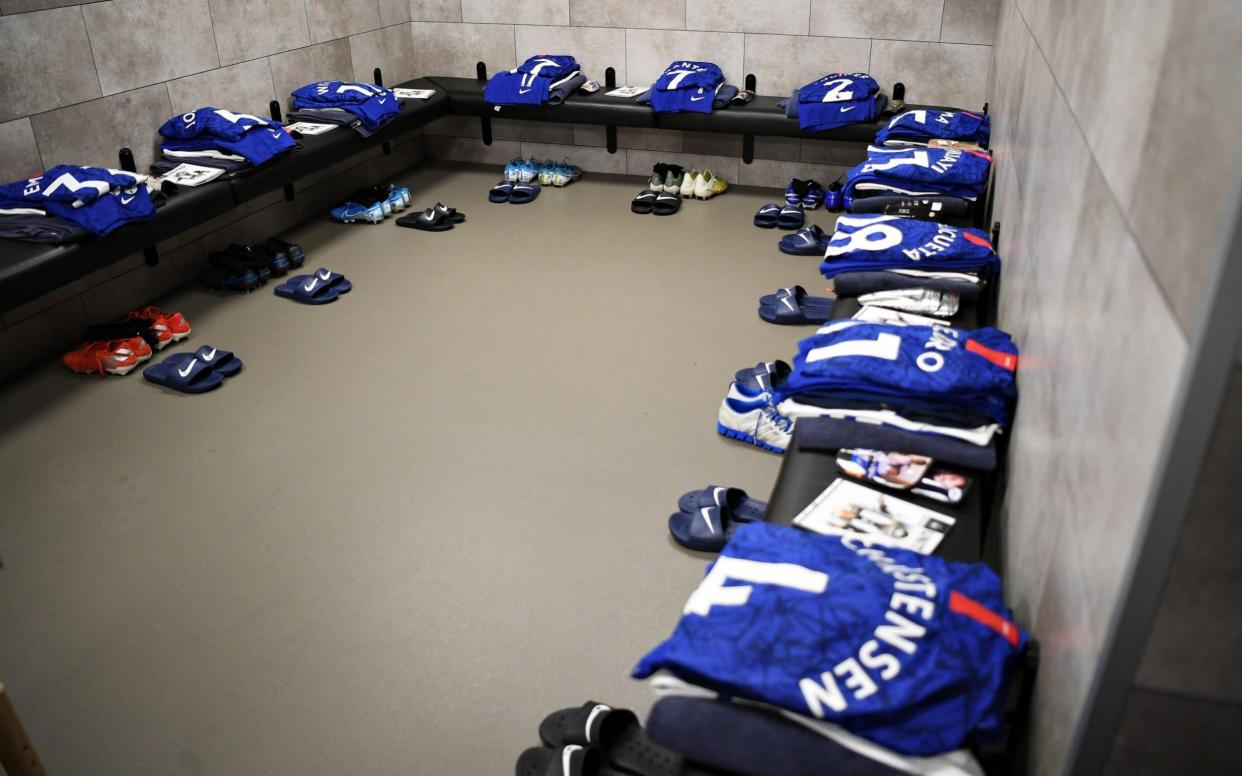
{"x": 873, "y": 242}
{"x": 952, "y": 172}
{"x": 973, "y": 368}
{"x": 912, "y": 652}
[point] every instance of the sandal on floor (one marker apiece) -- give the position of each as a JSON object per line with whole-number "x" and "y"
{"x": 733, "y": 501}
{"x": 644, "y": 202}
{"x": 666, "y": 204}
{"x": 793, "y": 306}
{"x": 618, "y": 735}
{"x": 500, "y": 192}
{"x": 791, "y": 217}
{"x": 766, "y": 217}
{"x": 430, "y": 220}
{"x": 451, "y": 213}
{"x": 524, "y": 192}
{"x": 222, "y": 362}
{"x": 308, "y": 289}
{"x": 184, "y": 373}
{"x": 707, "y": 529}
{"x": 572, "y": 760}
{"x": 808, "y": 241}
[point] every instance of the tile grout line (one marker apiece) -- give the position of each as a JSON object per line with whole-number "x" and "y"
{"x": 94, "y": 62}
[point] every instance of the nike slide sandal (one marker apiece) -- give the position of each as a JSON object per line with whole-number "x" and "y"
{"x": 666, "y": 204}
{"x": 767, "y": 215}
{"x": 501, "y": 192}
{"x": 791, "y": 217}
{"x": 430, "y": 220}
{"x": 793, "y": 306}
{"x": 706, "y": 529}
{"x": 733, "y": 501}
{"x": 308, "y": 289}
{"x": 644, "y": 202}
{"x": 524, "y": 192}
{"x": 184, "y": 373}
{"x": 450, "y": 213}
{"x": 617, "y": 734}
{"x": 763, "y": 376}
{"x": 334, "y": 280}
{"x": 572, "y": 760}
{"x": 808, "y": 241}
{"x": 222, "y": 362}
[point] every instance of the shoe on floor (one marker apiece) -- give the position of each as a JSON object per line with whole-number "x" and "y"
{"x": 709, "y": 185}
{"x": 795, "y": 191}
{"x": 168, "y": 327}
{"x": 688, "y": 183}
{"x": 115, "y": 357}
{"x": 754, "y": 419}
{"x": 814, "y": 196}
{"x": 659, "y": 172}
{"x": 352, "y": 212}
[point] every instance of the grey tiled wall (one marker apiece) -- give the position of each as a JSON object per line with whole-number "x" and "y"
{"x": 941, "y": 50}
{"x": 1109, "y": 219}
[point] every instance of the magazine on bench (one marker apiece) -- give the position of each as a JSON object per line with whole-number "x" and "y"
{"x": 847, "y": 508}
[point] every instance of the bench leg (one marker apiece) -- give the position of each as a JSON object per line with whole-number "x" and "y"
{"x": 17, "y": 753}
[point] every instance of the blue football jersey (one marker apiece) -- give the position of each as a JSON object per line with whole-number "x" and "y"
{"x": 531, "y": 82}
{"x": 838, "y": 87}
{"x": 912, "y": 652}
{"x": 335, "y": 93}
{"x": 686, "y": 87}
{"x": 213, "y": 121}
{"x": 868, "y": 243}
{"x": 101, "y": 215}
{"x": 919, "y": 171}
{"x": 922, "y": 125}
{"x": 974, "y": 368}
{"x": 70, "y": 183}
{"x": 257, "y": 146}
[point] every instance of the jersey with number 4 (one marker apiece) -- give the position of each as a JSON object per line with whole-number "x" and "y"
{"x": 912, "y": 652}
{"x": 867, "y": 243}
{"x": 971, "y": 368}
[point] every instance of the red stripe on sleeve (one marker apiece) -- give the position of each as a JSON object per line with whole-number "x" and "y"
{"x": 969, "y": 607}
{"x": 1007, "y": 361}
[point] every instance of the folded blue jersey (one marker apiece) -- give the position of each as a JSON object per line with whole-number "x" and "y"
{"x": 822, "y": 116}
{"x": 909, "y": 651}
{"x": 686, "y": 87}
{"x": 952, "y": 171}
{"x": 971, "y": 368}
{"x": 724, "y": 95}
{"x": 916, "y": 127}
{"x": 838, "y": 87}
{"x": 213, "y": 121}
{"x": 336, "y": 93}
{"x": 99, "y": 217}
{"x": 531, "y": 82}
{"x": 69, "y": 183}
{"x": 256, "y": 146}
{"x": 867, "y": 243}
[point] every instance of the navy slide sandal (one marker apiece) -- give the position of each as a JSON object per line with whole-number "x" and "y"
{"x": 183, "y": 372}
{"x": 791, "y": 217}
{"x": 740, "y": 506}
{"x": 704, "y": 530}
{"x": 762, "y": 376}
{"x": 524, "y": 192}
{"x": 335, "y": 280}
{"x": 792, "y": 306}
{"x": 308, "y": 289}
{"x": 500, "y": 192}
{"x": 222, "y": 362}
{"x": 808, "y": 241}
{"x": 767, "y": 215}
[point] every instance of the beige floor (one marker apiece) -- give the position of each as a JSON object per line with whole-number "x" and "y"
{"x": 421, "y": 518}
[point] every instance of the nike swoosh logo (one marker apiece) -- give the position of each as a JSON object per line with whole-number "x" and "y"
{"x": 326, "y": 275}
{"x": 125, "y": 201}
{"x": 698, "y": 99}
{"x": 186, "y": 372}
{"x": 209, "y": 356}
{"x": 785, "y": 301}
{"x": 847, "y": 110}
{"x": 276, "y": 133}
{"x": 716, "y": 496}
{"x": 595, "y": 712}
{"x": 524, "y": 91}
{"x": 311, "y": 285}
{"x": 707, "y": 519}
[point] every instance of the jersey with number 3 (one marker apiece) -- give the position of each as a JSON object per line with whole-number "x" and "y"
{"x": 868, "y": 243}
{"x": 912, "y": 652}
{"x": 970, "y": 368}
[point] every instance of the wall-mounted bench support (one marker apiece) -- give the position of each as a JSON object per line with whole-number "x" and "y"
{"x": 610, "y": 130}
{"x": 273, "y": 108}
{"x": 485, "y": 122}
{"x": 378, "y": 75}
{"x": 748, "y": 141}
{"x": 126, "y": 157}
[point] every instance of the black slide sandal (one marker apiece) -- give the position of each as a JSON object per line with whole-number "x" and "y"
{"x": 666, "y": 204}
{"x": 644, "y": 202}
{"x": 616, "y": 732}
{"x": 450, "y": 213}
{"x": 430, "y": 220}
